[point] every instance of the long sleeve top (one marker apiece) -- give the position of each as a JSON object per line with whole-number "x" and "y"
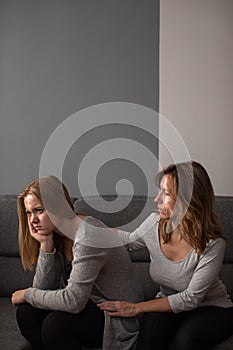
{"x": 189, "y": 283}
{"x": 98, "y": 273}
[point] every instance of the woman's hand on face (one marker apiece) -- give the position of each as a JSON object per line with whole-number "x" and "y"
{"x": 45, "y": 240}
{"x": 119, "y": 308}
{"x": 18, "y": 297}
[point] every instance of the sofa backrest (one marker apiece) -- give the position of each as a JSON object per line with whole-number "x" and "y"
{"x": 132, "y": 211}
{"x": 224, "y": 208}
{"x": 137, "y": 209}
{"x": 8, "y": 226}
{"x": 12, "y": 274}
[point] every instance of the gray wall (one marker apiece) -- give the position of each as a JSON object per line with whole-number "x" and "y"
{"x": 58, "y": 57}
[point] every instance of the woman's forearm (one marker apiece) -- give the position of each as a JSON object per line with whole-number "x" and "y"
{"x": 48, "y": 271}
{"x": 127, "y": 309}
{"x": 155, "y": 305}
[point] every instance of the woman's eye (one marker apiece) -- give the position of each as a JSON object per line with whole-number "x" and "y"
{"x": 39, "y": 211}
{"x": 165, "y": 193}
{"x": 28, "y": 213}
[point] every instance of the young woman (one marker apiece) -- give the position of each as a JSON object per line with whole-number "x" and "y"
{"x": 75, "y": 269}
{"x": 192, "y": 310}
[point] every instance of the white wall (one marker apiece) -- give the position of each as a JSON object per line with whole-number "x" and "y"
{"x": 196, "y": 82}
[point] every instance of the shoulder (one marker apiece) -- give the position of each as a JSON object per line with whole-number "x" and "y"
{"x": 94, "y": 233}
{"x": 216, "y": 244}
{"x": 150, "y": 223}
{"x": 215, "y": 248}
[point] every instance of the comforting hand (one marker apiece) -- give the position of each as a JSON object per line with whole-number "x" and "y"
{"x": 18, "y": 297}
{"x": 119, "y": 308}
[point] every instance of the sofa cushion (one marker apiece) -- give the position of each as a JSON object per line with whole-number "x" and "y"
{"x": 13, "y": 276}
{"x": 10, "y": 336}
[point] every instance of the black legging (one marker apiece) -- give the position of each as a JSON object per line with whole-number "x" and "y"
{"x": 61, "y": 330}
{"x": 200, "y": 329}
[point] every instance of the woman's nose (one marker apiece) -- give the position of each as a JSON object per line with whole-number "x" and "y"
{"x": 33, "y": 218}
{"x": 157, "y": 199}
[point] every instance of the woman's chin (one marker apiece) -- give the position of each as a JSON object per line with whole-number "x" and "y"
{"x": 163, "y": 216}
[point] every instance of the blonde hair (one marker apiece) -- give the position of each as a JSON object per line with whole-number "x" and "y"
{"x": 54, "y": 196}
{"x": 190, "y": 185}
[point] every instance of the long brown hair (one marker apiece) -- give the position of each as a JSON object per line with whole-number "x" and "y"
{"x": 190, "y": 185}
{"x": 55, "y": 197}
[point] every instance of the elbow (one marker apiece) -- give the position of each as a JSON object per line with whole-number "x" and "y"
{"x": 178, "y": 303}
{"x": 75, "y": 305}
{"x": 194, "y": 300}
{"x": 74, "y": 308}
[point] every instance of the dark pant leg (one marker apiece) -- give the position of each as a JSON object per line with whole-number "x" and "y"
{"x": 62, "y": 330}
{"x": 30, "y": 321}
{"x": 200, "y": 329}
{"x": 203, "y": 328}
{"x": 157, "y": 330}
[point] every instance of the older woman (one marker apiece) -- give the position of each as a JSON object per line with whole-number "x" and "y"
{"x": 192, "y": 310}
{"x": 75, "y": 269}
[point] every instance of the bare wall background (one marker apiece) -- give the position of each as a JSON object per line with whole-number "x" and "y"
{"x": 196, "y": 82}
{"x": 58, "y": 57}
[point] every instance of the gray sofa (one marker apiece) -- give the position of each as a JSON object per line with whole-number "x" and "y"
{"x": 13, "y": 277}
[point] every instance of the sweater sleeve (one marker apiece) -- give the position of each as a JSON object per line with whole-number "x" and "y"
{"x": 86, "y": 265}
{"x": 48, "y": 271}
{"x": 204, "y": 277}
{"x": 137, "y": 239}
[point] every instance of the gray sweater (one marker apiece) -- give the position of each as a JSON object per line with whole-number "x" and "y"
{"x": 189, "y": 283}
{"x": 98, "y": 273}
